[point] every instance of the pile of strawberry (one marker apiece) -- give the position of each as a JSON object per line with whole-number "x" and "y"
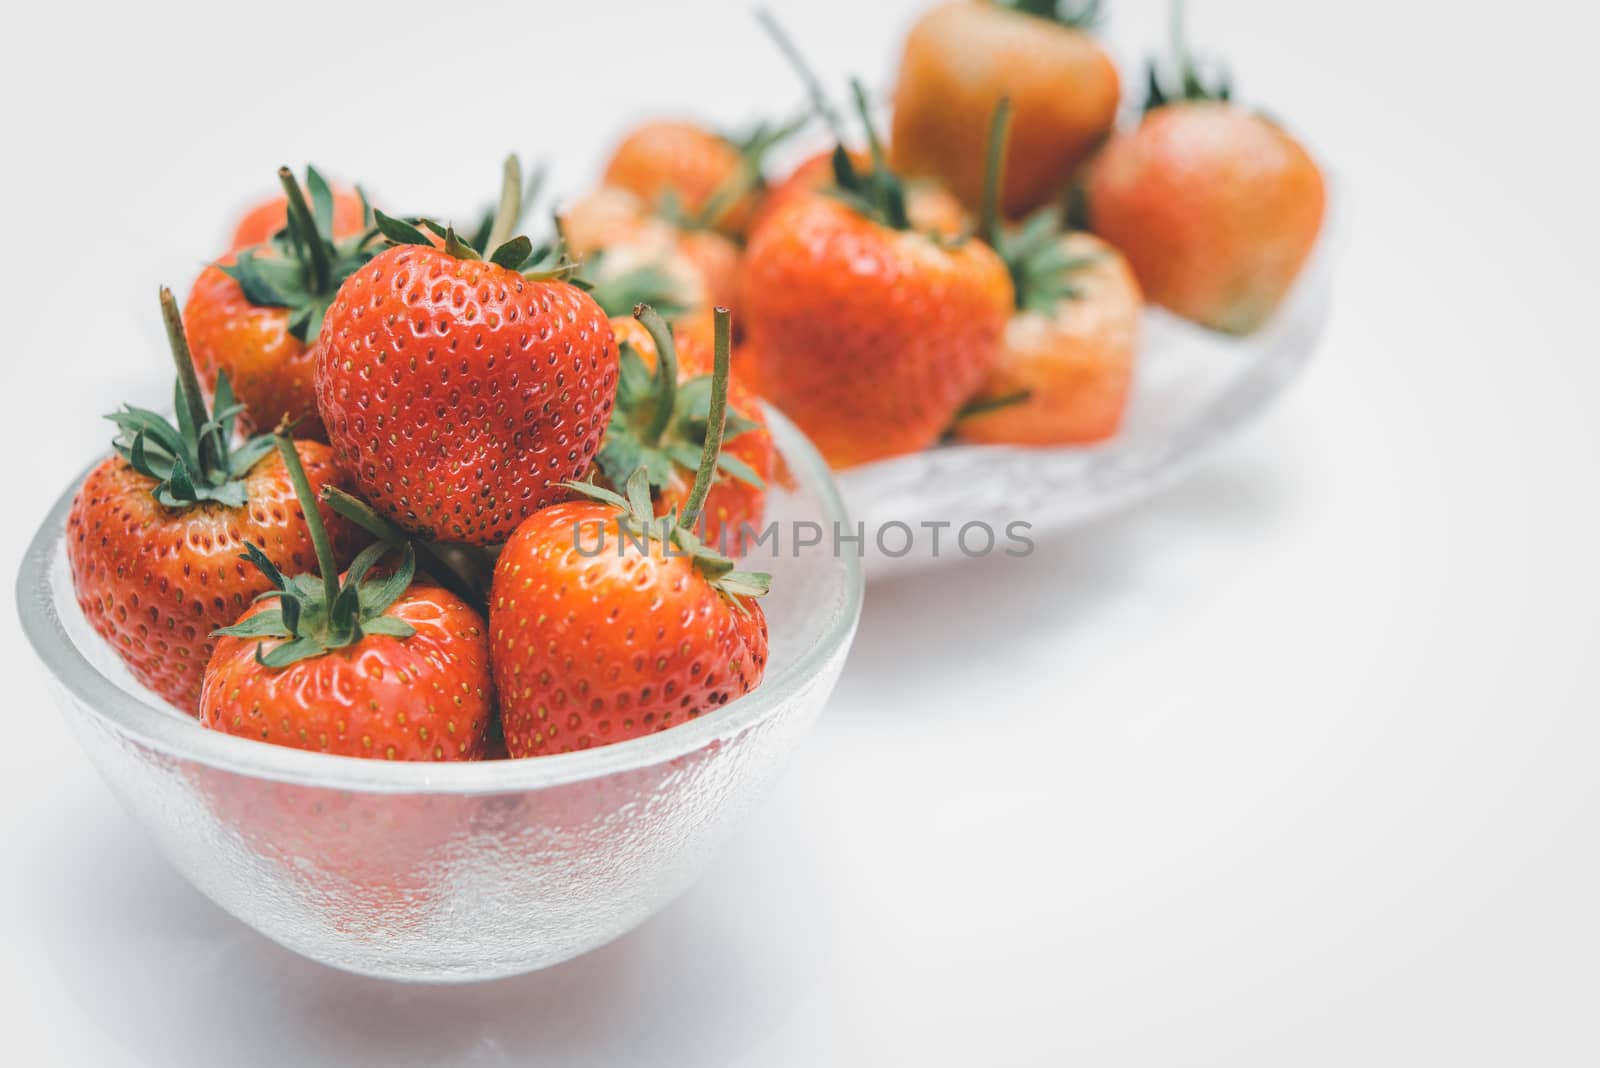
{"x": 487, "y": 520}
{"x": 397, "y": 569}
{"x": 893, "y": 296}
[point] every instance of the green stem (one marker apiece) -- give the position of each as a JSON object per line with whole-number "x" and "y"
{"x": 327, "y": 563}
{"x": 305, "y": 222}
{"x": 864, "y": 109}
{"x": 563, "y": 246}
{"x": 808, "y": 77}
{"x": 468, "y": 588}
{"x": 712, "y": 449}
{"x": 509, "y": 213}
{"x": 666, "y": 371}
{"x": 985, "y": 405}
{"x": 994, "y": 174}
{"x": 211, "y": 458}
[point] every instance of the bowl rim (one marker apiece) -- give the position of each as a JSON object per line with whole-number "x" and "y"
{"x": 162, "y": 728}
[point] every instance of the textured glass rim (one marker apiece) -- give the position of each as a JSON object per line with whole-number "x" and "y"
{"x": 159, "y": 728}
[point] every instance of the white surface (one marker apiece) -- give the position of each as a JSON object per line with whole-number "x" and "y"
{"x": 1295, "y": 765}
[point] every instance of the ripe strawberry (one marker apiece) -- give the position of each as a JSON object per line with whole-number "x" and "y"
{"x": 257, "y": 316}
{"x": 382, "y": 667}
{"x": 693, "y": 175}
{"x": 659, "y": 425}
{"x": 649, "y": 630}
{"x": 267, "y": 219}
{"x": 962, "y": 57}
{"x": 1070, "y": 345}
{"x": 460, "y": 393}
{"x": 153, "y": 534}
{"x": 1217, "y": 208}
{"x": 869, "y": 336}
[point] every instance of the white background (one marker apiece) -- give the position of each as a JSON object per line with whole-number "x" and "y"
{"x": 1295, "y": 765}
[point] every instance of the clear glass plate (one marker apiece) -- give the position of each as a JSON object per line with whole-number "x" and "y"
{"x": 1193, "y": 388}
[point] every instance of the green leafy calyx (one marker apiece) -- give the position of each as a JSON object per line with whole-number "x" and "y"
{"x": 636, "y": 512}
{"x": 1082, "y": 15}
{"x": 464, "y": 570}
{"x": 317, "y": 614}
{"x": 659, "y": 425}
{"x": 1187, "y": 82}
{"x": 493, "y": 239}
{"x": 302, "y": 266}
{"x": 194, "y": 461}
{"x": 1041, "y": 267}
{"x": 877, "y": 193}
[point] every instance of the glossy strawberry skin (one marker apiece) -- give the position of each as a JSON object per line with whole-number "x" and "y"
{"x": 272, "y": 372}
{"x": 1217, "y": 209}
{"x": 154, "y": 582}
{"x": 591, "y": 650}
{"x": 459, "y": 395}
{"x": 258, "y": 224}
{"x": 870, "y": 339}
{"x": 734, "y": 509}
{"x": 426, "y": 697}
{"x": 684, "y": 160}
{"x": 1074, "y": 363}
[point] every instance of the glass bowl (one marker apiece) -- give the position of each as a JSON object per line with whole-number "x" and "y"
{"x": 1193, "y": 388}
{"x": 453, "y": 872}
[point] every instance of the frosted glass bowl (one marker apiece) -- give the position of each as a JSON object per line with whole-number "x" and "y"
{"x": 1193, "y": 389}
{"x": 453, "y": 872}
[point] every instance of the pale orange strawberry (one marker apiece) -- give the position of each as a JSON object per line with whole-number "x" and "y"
{"x": 961, "y": 58}
{"x": 1217, "y": 207}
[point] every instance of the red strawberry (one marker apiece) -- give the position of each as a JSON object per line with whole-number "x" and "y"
{"x": 594, "y": 648}
{"x": 383, "y": 667}
{"x": 460, "y": 393}
{"x": 660, "y": 423}
{"x": 869, "y": 334}
{"x": 257, "y": 316}
{"x": 154, "y": 534}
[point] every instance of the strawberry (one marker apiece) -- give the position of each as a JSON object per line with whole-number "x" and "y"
{"x": 1216, "y": 207}
{"x": 461, "y": 392}
{"x": 649, "y": 631}
{"x": 258, "y": 315}
{"x": 268, "y": 219}
{"x": 962, "y": 57}
{"x": 673, "y": 269}
{"x": 659, "y": 424}
{"x": 930, "y": 207}
{"x": 869, "y": 335}
{"x": 1068, "y": 357}
{"x": 383, "y": 667}
{"x": 153, "y": 532}
{"x": 694, "y": 176}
